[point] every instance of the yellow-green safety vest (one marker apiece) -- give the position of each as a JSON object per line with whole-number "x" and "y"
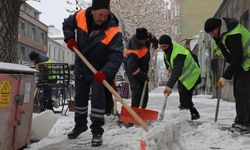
{"x": 190, "y": 71}
{"x": 217, "y": 50}
{"x": 53, "y": 76}
{"x": 239, "y": 29}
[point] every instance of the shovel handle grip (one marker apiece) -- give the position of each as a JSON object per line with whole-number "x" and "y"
{"x": 116, "y": 94}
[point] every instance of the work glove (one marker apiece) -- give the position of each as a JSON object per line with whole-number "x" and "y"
{"x": 72, "y": 43}
{"x": 167, "y": 91}
{"x": 221, "y": 82}
{"x": 100, "y": 76}
{"x": 141, "y": 76}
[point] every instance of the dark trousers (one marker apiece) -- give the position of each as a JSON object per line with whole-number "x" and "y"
{"x": 242, "y": 97}
{"x": 97, "y": 104}
{"x": 185, "y": 96}
{"x": 47, "y": 98}
{"x": 137, "y": 89}
{"x": 109, "y": 102}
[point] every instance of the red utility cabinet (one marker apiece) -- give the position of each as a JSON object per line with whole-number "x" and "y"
{"x": 17, "y": 85}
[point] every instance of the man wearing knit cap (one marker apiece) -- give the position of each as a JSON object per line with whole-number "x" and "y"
{"x": 137, "y": 56}
{"x": 99, "y": 39}
{"x": 184, "y": 69}
{"x": 232, "y": 43}
{"x": 40, "y": 61}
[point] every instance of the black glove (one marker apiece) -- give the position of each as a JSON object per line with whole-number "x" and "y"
{"x": 141, "y": 76}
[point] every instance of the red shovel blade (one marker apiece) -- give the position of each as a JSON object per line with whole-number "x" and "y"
{"x": 145, "y": 114}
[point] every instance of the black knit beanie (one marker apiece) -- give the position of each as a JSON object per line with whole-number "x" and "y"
{"x": 33, "y": 55}
{"x": 100, "y": 4}
{"x": 211, "y": 24}
{"x": 165, "y": 39}
{"x": 141, "y": 33}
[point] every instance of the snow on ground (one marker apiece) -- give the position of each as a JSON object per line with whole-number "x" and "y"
{"x": 174, "y": 132}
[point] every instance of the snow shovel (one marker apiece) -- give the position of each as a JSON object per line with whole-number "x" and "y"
{"x": 116, "y": 94}
{"x": 161, "y": 116}
{"x": 145, "y": 114}
{"x": 219, "y": 95}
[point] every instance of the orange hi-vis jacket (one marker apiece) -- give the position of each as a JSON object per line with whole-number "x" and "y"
{"x": 136, "y": 59}
{"x": 102, "y": 45}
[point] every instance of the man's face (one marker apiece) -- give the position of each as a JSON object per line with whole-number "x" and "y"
{"x": 100, "y": 16}
{"x": 214, "y": 33}
{"x": 164, "y": 47}
{"x": 142, "y": 42}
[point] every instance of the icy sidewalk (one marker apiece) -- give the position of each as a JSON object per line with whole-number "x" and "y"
{"x": 175, "y": 132}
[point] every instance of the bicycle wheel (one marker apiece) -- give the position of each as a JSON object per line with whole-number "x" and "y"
{"x": 39, "y": 104}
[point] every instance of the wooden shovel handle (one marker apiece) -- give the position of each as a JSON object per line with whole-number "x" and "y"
{"x": 143, "y": 93}
{"x": 109, "y": 87}
{"x": 115, "y": 105}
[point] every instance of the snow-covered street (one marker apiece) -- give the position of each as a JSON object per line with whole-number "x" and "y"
{"x": 175, "y": 132}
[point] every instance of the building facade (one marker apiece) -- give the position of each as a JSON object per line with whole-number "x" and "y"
{"x": 32, "y": 34}
{"x": 235, "y": 9}
{"x": 59, "y": 52}
{"x": 186, "y": 17}
{"x": 57, "y": 48}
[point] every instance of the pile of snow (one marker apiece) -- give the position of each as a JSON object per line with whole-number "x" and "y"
{"x": 42, "y": 124}
{"x": 167, "y": 135}
{"x": 174, "y": 132}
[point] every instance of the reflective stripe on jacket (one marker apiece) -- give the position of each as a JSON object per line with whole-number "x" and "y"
{"x": 82, "y": 23}
{"x": 137, "y": 58}
{"x": 138, "y": 52}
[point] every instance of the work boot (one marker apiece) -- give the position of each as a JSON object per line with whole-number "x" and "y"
{"x": 194, "y": 113}
{"x": 96, "y": 140}
{"x": 182, "y": 108}
{"x": 50, "y": 105}
{"x": 241, "y": 128}
{"x": 76, "y": 132}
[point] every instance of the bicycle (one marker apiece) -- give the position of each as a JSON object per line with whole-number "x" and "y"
{"x": 59, "y": 87}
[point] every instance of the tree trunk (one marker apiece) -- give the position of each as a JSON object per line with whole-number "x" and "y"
{"x": 9, "y": 18}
